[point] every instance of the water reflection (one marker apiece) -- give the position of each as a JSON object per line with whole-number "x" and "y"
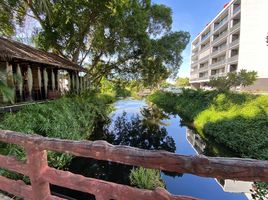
{"x": 143, "y": 131}
{"x": 227, "y": 185}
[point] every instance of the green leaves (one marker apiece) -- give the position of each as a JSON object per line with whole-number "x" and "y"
{"x": 146, "y": 178}
{"x": 233, "y": 79}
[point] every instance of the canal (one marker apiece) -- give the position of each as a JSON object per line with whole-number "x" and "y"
{"x": 135, "y": 123}
{"x": 205, "y": 188}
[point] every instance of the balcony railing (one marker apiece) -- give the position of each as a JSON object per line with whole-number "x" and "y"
{"x": 223, "y": 48}
{"x": 203, "y": 68}
{"x": 205, "y": 37}
{"x": 236, "y": 9}
{"x": 234, "y": 43}
{"x": 222, "y": 22}
{"x": 235, "y": 27}
{"x": 204, "y": 58}
{"x": 233, "y": 58}
{"x": 204, "y": 49}
{"x": 218, "y": 63}
{"x": 220, "y": 37}
{"x": 218, "y": 75}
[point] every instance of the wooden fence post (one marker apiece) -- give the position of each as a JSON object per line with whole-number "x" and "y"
{"x": 37, "y": 162}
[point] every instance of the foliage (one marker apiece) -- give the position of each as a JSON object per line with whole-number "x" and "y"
{"x": 233, "y": 79}
{"x": 114, "y": 88}
{"x": 73, "y": 117}
{"x": 260, "y": 192}
{"x": 146, "y": 178}
{"x": 237, "y": 121}
{"x": 6, "y": 92}
{"x": 182, "y": 82}
{"x": 130, "y": 39}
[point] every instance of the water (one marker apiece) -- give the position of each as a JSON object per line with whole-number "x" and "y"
{"x": 204, "y": 188}
{"x": 134, "y": 123}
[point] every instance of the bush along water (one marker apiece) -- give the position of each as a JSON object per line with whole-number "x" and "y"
{"x": 71, "y": 117}
{"x": 237, "y": 121}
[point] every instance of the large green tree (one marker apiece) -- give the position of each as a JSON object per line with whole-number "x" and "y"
{"x": 130, "y": 39}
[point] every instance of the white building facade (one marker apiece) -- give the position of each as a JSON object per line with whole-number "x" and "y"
{"x": 235, "y": 39}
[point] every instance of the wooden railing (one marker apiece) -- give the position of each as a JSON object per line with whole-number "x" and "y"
{"x": 41, "y": 175}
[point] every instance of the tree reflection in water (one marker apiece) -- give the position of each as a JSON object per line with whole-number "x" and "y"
{"x": 144, "y": 132}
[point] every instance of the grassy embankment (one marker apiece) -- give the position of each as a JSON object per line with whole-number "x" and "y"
{"x": 236, "y": 121}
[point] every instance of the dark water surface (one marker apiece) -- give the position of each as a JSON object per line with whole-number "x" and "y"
{"x": 205, "y": 188}
{"x": 134, "y": 123}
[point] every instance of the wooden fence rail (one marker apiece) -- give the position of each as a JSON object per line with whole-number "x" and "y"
{"x": 41, "y": 175}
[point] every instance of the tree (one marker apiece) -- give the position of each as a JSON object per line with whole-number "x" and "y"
{"x": 233, "y": 79}
{"x": 182, "y": 82}
{"x": 130, "y": 39}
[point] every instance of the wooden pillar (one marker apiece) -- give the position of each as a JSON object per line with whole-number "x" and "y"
{"x": 45, "y": 81}
{"x": 37, "y": 162}
{"x": 19, "y": 82}
{"x": 30, "y": 81}
{"x": 81, "y": 84}
{"x": 9, "y": 79}
{"x": 77, "y": 82}
{"x": 53, "y": 80}
{"x": 58, "y": 79}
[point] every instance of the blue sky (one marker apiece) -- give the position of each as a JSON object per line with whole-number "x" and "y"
{"x": 191, "y": 16}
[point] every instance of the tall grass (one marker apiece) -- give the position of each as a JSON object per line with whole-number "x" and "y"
{"x": 72, "y": 117}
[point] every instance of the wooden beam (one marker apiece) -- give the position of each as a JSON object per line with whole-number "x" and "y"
{"x": 106, "y": 190}
{"x": 13, "y": 164}
{"x": 17, "y": 188}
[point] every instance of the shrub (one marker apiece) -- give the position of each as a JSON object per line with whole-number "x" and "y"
{"x": 146, "y": 178}
{"x": 72, "y": 117}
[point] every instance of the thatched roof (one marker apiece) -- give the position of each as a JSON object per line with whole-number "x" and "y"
{"x": 12, "y": 50}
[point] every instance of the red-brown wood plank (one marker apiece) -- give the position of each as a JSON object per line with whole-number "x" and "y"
{"x": 13, "y": 164}
{"x": 222, "y": 168}
{"x": 107, "y": 190}
{"x": 17, "y": 188}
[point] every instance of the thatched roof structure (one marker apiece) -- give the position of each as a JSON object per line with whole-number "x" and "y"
{"x": 11, "y": 50}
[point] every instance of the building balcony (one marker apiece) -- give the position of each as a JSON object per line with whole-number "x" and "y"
{"x": 220, "y": 37}
{"x": 222, "y": 22}
{"x": 233, "y": 59}
{"x": 204, "y": 49}
{"x": 204, "y": 58}
{"x": 219, "y": 50}
{"x": 216, "y": 64}
{"x": 235, "y": 27}
{"x": 201, "y": 69}
{"x": 237, "y": 10}
{"x": 217, "y": 75}
{"x": 234, "y": 43}
{"x": 205, "y": 37}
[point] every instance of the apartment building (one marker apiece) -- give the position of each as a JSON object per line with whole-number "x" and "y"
{"x": 235, "y": 39}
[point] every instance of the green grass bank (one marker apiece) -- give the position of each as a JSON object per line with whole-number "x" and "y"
{"x": 236, "y": 121}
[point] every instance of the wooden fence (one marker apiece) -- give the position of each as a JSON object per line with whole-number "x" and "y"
{"x": 41, "y": 175}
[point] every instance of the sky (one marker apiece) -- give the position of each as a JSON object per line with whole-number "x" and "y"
{"x": 191, "y": 16}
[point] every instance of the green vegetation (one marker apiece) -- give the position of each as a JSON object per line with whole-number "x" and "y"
{"x": 73, "y": 117}
{"x": 182, "y": 82}
{"x": 124, "y": 39}
{"x": 237, "y": 121}
{"x": 233, "y": 79}
{"x": 146, "y": 178}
